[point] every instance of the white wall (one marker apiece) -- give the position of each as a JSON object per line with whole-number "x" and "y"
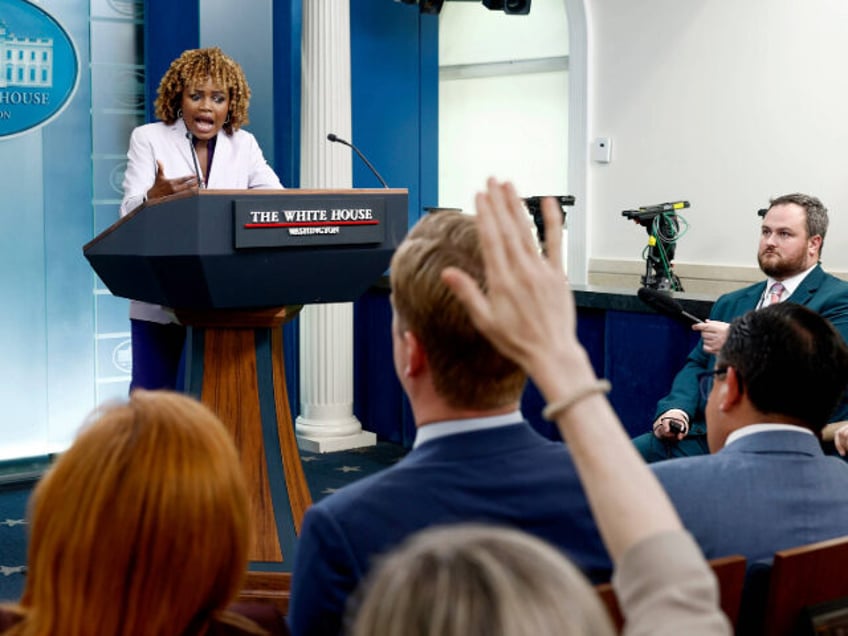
{"x": 723, "y": 103}
{"x": 513, "y": 126}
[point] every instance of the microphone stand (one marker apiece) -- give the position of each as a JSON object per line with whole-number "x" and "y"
{"x": 335, "y": 138}
{"x": 200, "y": 183}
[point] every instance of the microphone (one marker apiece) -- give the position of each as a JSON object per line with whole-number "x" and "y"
{"x": 200, "y": 183}
{"x": 665, "y": 304}
{"x": 335, "y": 138}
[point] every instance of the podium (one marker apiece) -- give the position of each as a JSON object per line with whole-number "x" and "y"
{"x": 235, "y": 265}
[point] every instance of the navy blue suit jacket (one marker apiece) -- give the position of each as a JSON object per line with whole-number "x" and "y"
{"x": 764, "y": 492}
{"x": 819, "y": 291}
{"x": 508, "y": 475}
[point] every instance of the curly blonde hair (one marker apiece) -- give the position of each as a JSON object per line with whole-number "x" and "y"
{"x": 193, "y": 67}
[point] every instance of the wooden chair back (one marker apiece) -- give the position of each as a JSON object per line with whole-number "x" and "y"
{"x": 610, "y": 601}
{"x": 274, "y": 588}
{"x": 805, "y": 576}
{"x": 730, "y": 572}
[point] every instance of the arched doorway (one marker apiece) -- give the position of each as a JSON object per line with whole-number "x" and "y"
{"x": 512, "y": 102}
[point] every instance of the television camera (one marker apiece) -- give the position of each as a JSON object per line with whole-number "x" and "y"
{"x": 662, "y": 224}
{"x": 534, "y": 206}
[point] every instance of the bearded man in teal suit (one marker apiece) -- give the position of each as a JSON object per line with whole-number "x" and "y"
{"x": 791, "y": 240}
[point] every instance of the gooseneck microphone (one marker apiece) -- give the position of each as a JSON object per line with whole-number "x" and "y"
{"x": 200, "y": 183}
{"x": 665, "y": 304}
{"x": 335, "y": 138}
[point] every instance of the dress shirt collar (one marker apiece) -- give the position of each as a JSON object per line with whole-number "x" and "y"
{"x": 752, "y": 429}
{"x": 789, "y": 285}
{"x": 436, "y": 430}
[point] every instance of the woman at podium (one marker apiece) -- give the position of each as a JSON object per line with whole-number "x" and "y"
{"x": 198, "y": 142}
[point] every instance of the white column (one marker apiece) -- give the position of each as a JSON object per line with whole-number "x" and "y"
{"x": 326, "y": 422}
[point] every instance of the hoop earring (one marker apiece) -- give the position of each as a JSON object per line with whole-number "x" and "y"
{"x": 227, "y": 120}
{"x": 179, "y": 113}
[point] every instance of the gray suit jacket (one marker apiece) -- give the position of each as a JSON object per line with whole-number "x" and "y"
{"x": 764, "y": 492}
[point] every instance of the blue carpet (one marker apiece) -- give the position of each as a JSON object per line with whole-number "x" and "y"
{"x": 324, "y": 473}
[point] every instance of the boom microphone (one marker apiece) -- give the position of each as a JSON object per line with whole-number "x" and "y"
{"x": 665, "y": 304}
{"x": 335, "y": 138}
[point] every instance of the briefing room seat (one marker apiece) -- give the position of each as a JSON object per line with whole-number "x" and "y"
{"x": 808, "y": 583}
{"x": 730, "y": 573}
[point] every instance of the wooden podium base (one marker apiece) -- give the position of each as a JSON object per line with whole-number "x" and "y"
{"x": 234, "y": 365}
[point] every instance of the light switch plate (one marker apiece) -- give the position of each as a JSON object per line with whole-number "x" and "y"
{"x": 602, "y": 150}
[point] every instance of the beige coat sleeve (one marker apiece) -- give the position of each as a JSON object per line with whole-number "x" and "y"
{"x": 665, "y": 586}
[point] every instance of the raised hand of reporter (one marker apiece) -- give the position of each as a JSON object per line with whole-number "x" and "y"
{"x": 163, "y": 186}
{"x": 528, "y": 309}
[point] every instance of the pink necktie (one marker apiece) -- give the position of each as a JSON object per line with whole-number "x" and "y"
{"x": 775, "y": 293}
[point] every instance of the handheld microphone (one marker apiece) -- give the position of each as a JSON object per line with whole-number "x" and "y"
{"x": 335, "y": 138}
{"x": 665, "y": 304}
{"x": 200, "y": 183}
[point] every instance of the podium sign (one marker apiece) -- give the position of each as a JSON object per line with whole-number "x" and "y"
{"x": 261, "y": 223}
{"x": 239, "y": 249}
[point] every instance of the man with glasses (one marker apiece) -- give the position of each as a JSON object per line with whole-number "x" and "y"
{"x": 767, "y": 485}
{"x": 791, "y": 240}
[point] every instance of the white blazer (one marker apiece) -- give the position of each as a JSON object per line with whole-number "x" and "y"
{"x": 238, "y": 164}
